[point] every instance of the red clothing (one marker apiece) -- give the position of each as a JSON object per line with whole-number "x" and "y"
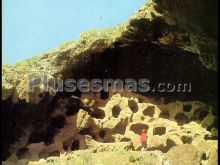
{"x": 143, "y": 137}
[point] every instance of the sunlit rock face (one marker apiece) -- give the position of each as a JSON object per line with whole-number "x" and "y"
{"x": 117, "y": 124}
{"x": 163, "y": 41}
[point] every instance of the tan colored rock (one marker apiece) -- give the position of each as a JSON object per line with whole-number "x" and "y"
{"x": 35, "y": 149}
{"x": 184, "y": 154}
{"x": 119, "y": 126}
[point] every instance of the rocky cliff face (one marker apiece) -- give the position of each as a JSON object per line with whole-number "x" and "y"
{"x": 163, "y": 41}
{"x": 116, "y": 125}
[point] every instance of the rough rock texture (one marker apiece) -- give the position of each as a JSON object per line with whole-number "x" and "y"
{"x": 184, "y": 154}
{"x": 163, "y": 41}
{"x": 117, "y": 125}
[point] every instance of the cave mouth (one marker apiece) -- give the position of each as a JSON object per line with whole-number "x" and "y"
{"x": 135, "y": 59}
{"x": 16, "y": 117}
{"x": 157, "y": 63}
{"x": 137, "y": 128}
{"x": 47, "y": 135}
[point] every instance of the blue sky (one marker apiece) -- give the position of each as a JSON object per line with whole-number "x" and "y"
{"x": 31, "y": 27}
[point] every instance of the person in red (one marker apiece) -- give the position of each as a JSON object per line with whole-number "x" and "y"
{"x": 143, "y": 139}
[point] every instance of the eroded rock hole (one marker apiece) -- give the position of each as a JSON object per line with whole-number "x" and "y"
{"x": 41, "y": 95}
{"x": 102, "y": 134}
{"x": 75, "y": 145}
{"x": 116, "y": 111}
{"x": 149, "y": 111}
{"x": 204, "y": 157}
{"x": 65, "y": 145}
{"x": 120, "y": 128}
{"x": 187, "y": 108}
{"x": 165, "y": 115}
{"x": 98, "y": 114}
{"x": 94, "y": 137}
{"x": 49, "y": 135}
{"x": 186, "y": 139}
{"x": 169, "y": 144}
{"x": 23, "y": 153}
{"x": 200, "y": 114}
{"x": 133, "y": 106}
{"x": 181, "y": 118}
{"x": 137, "y": 128}
{"x": 159, "y": 131}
